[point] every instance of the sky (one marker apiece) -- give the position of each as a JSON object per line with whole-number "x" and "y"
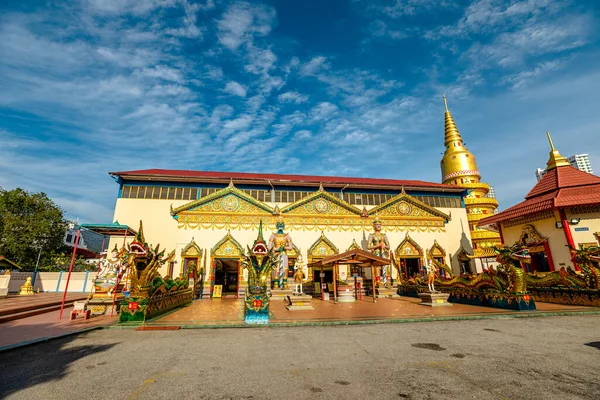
{"x": 347, "y": 88}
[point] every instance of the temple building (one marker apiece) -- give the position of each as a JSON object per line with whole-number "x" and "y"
{"x": 210, "y": 218}
{"x": 561, "y": 211}
{"x": 460, "y": 168}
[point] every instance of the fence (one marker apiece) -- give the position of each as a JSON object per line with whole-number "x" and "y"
{"x": 53, "y": 281}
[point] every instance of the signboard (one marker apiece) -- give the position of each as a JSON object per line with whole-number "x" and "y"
{"x": 582, "y": 229}
{"x": 317, "y": 286}
{"x": 217, "y": 291}
{"x": 133, "y": 306}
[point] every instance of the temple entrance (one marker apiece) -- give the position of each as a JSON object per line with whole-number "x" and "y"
{"x": 227, "y": 275}
{"x": 225, "y": 272}
{"x": 412, "y": 266}
{"x": 321, "y": 248}
{"x": 409, "y": 255}
{"x": 539, "y": 263}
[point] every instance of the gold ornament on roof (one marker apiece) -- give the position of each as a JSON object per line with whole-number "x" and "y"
{"x": 555, "y": 160}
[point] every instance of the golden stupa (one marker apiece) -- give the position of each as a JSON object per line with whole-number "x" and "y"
{"x": 459, "y": 167}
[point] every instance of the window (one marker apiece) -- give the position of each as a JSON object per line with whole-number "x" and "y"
{"x": 156, "y": 192}
{"x": 179, "y": 194}
{"x": 126, "y": 192}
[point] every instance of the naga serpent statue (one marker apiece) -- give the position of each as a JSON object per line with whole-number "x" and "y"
{"x": 259, "y": 261}
{"x": 510, "y": 259}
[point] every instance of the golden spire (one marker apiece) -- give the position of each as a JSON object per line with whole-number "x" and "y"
{"x": 555, "y": 160}
{"x": 457, "y": 162}
{"x": 451, "y": 131}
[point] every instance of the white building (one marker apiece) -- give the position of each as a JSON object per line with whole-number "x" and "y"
{"x": 578, "y": 161}
{"x": 581, "y": 162}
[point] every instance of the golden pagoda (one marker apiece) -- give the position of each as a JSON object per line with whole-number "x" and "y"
{"x": 460, "y": 168}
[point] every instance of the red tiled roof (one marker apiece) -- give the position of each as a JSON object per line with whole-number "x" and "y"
{"x": 147, "y": 174}
{"x": 560, "y": 187}
{"x": 560, "y": 178}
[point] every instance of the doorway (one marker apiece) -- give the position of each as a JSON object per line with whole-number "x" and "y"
{"x": 539, "y": 262}
{"x": 226, "y": 274}
{"x": 411, "y": 266}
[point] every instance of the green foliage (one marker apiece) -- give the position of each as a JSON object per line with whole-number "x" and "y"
{"x": 30, "y": 222}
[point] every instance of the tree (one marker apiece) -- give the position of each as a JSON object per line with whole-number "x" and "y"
{"x": 30, "y": 222}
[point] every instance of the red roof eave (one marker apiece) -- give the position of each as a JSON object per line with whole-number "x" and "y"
{"x": 163, "y": 174}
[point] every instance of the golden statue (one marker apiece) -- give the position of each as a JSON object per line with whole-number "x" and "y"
{"x": 27, "y": 287}
{"x": 379, "y": 245}
{"x": 281, "y": 243}
{"x": 431, "y": 273}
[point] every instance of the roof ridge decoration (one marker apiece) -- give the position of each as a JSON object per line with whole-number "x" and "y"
{"x": 231, "y": 206}
{"x": 556, "y": 159}
{"x": 322, "y": 207}
{"x": 323, "y": 247}
{"x": 407, "y": 211}
{"x": 227, "y": 247}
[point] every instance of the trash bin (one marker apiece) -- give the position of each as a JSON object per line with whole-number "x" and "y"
{"x": 326, "y": 296}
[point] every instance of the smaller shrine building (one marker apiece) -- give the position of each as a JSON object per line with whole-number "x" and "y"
{"x": 560, "y": 212}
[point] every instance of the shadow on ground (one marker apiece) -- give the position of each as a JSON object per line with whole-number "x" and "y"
{"x": 24, "y": 367}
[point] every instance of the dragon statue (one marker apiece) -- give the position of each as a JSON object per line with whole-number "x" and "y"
{"x": 567, "y": 286}
{"x": 149, "y": 293}
{"x": 504, "y": 287}
{"x": 259, "y": 261}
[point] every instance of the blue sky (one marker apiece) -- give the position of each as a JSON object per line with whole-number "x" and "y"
{"x": 347, "y": 88}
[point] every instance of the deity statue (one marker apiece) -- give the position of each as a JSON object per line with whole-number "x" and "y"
{"x": 431, "y": 272}
{"x": 108, "y": 271}
{"x": 299, "y": 275}
{"x": 281, "y": 243}
{"x": 379, "y": 245}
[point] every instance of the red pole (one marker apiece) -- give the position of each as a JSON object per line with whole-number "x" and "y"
{"x": 69, "y": 276}
{"x": 112, "y": 309}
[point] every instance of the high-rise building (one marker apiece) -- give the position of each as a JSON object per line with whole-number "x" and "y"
{"x": 460, "y": 168}
{"x": 581, "y": 162}
{"x": 578, "y": 161}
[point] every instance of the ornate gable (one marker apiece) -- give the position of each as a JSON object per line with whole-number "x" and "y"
{"x": 407, "y": 207}
{"x": 436, "y": 250}
{"x": 321, "y": 203}
{"x": 408, "y": 248}
{"x": 354, "y": 246}
{"x": 191, "y": 250}
{"x": 229, "y": 200}
{"x": 323, "y": 247}
{"x": 228, "y": 247}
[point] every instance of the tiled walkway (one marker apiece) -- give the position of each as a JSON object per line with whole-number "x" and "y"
{"x": 14, "y": 303}
{"x": 231, "y": 312}
{"x": 44, "y": 326}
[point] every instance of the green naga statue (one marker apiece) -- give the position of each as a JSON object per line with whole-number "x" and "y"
{"x": 259, "y": 262}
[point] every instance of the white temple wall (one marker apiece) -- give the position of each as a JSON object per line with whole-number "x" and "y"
{"x": 161, "y": 228}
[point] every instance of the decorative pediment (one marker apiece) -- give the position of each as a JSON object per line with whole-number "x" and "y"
{"x": 530, "y": 236}
{"x": 408, "y": 248}
{"x": 354, "y": 246}
{"x": 191, "y": 250}
{"x": 436, "y": 250}
{"x": 321, "y": 203}
{"x": 323, "y": 247}
{"x": 406, "y": 206}
{"x": 228, "y": 247}
{"x": 229, "y": 200}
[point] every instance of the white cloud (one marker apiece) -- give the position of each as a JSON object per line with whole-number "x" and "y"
{"x": 235, "y": 89}
{"x": 163, "y": 72}
{"x": 242, "y": 21}
{"x": 315, "y": 65}
{"x": 322, "y": 111}
{"x": 293, "y": 97}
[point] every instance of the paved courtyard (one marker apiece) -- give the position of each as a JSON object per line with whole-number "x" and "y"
{"x": 231, "y": 312}
{"x": 531, "y": 358}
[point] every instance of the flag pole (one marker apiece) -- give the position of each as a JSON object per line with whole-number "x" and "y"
{"x": 62, "y": 306}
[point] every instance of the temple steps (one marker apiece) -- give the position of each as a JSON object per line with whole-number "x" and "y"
{"x": 17, "y": 311}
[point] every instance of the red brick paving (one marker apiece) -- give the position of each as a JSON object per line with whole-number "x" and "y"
{"x": 13, "y": 303}
{"x": 231, "y": 312}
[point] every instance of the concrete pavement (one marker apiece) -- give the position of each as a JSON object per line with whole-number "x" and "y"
{"x": 550, "y": 358}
